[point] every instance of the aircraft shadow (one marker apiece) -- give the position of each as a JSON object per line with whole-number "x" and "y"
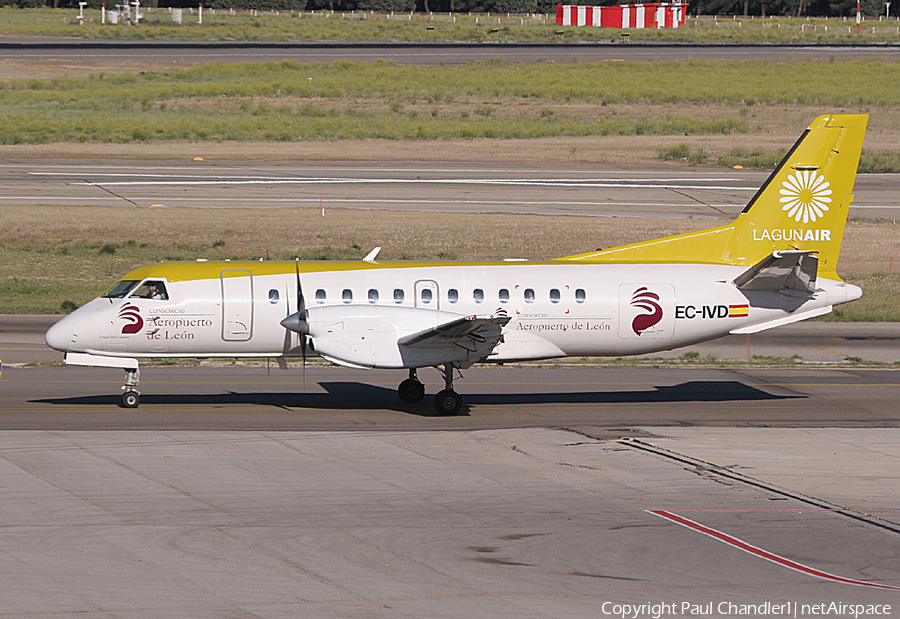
{"x": 362, "y": 396}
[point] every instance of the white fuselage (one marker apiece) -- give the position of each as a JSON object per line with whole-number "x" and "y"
{"x": 355, "y": 316}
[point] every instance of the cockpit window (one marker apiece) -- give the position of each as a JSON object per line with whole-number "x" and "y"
{"x": 120, "y": 289}
{"x": 152, "y": 289}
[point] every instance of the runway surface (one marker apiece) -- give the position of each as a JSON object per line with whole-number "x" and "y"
{"x": 411, "y": 53}
{"x": 31, "y": 48}
{"x": 544, "y": 189}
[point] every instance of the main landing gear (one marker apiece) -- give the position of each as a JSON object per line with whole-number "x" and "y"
{"x": 446, "y": 401}
{"x": 131, "y": 397}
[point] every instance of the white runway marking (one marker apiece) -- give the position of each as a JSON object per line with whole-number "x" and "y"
{"x": 411, "y": 181}
{"x": 334, "y": 201}
{"x": 620, "y": 174}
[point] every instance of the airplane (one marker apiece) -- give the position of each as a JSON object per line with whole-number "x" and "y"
{"x": 773, "y": 265}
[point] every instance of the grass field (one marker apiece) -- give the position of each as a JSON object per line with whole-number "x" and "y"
{"x": 48, "y": 260}
{"x": 354, "y": 27}
{"x": 291, "y": 102}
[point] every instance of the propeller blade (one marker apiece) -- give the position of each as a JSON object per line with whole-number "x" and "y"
{"x": 297, "y": 321}
{"x": 303, "y": 357}
{"x": 286, "y": 346}
{"x": 301, "y": 302}
{"x": 301, "y": 315}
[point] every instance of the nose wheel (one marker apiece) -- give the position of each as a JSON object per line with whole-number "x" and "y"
{"x": 131, "y": 398}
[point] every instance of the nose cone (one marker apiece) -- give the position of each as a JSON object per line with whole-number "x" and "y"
{"x": 61, "y": 335}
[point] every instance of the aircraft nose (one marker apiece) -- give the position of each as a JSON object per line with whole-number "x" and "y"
{"x": 60, "y": 335}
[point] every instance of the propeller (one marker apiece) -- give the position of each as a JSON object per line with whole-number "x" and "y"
{"x": 297, "y": 322}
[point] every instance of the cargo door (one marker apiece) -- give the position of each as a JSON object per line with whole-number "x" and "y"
{"x": 237, "y": 306}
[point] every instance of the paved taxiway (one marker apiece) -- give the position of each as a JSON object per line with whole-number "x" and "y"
{"x": 233, "y": 492}
{"x": 260, "y": 398}
{"x": 545, "y": 189}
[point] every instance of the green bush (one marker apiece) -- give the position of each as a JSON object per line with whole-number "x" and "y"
{"x": 679, "y": 151}
{"x": 512, "y": 6}
{"x": 387, "y": 6}
{"x": 257, "y": 5}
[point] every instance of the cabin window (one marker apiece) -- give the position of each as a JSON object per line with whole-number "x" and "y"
{"x": 152, "y": 289}
{"x": 579, "y": 295}
{"x": 320, "y": 296}
{"x": 273, "y": 296}
{"x": 373, "y": 295}
{"x": 453, "y": 295}
{"x": 529, "y": 295}
{"x": 427, "y": 295}
{"x": 347, "y": 295}
{"x": 120, "y": 289}
{"x": 554, "y": 295}
{"x": 478, "y": 295}
{"x": 504, "y": 295}
{"x": 399, "y": 295}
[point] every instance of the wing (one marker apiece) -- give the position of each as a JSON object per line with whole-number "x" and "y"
{"x": 782, "y": 271}
{"x": 471, "y": 333}
{"x": 401, "y": 337}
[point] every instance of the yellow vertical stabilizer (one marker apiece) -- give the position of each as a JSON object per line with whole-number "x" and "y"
{"x": 803, "y": 205}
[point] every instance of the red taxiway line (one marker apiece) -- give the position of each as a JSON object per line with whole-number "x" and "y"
{"x": 759, "y": 552}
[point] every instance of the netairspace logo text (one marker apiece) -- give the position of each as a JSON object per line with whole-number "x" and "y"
{"x": 724, "y": 609}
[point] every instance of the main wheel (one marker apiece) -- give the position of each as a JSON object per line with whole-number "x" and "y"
{"x": 411, "y": 391}
{"x": 130, "y": 399}
{"x": 447, "y": 402}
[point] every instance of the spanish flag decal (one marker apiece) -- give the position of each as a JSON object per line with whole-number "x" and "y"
{"x": 738, "y": 311}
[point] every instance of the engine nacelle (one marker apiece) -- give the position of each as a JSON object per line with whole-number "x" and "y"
{"x": 367, "y": 336}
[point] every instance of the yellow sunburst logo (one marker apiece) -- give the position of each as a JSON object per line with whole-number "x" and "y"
{"x": 805, "y": 196}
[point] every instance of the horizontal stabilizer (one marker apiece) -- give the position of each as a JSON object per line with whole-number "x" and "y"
{"x": 469, "y": 332}
{"x": 782, "y": 271}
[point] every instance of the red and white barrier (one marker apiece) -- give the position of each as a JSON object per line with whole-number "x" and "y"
{"x": 651, "y": 15}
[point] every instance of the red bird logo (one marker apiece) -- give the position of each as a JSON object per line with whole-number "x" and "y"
{"x": 648, "y": 301}
{"x": 131, "y": 314}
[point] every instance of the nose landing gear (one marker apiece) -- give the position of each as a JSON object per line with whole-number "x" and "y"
{"x": 411, "y": 390}
{"x": 131, "y": 397}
